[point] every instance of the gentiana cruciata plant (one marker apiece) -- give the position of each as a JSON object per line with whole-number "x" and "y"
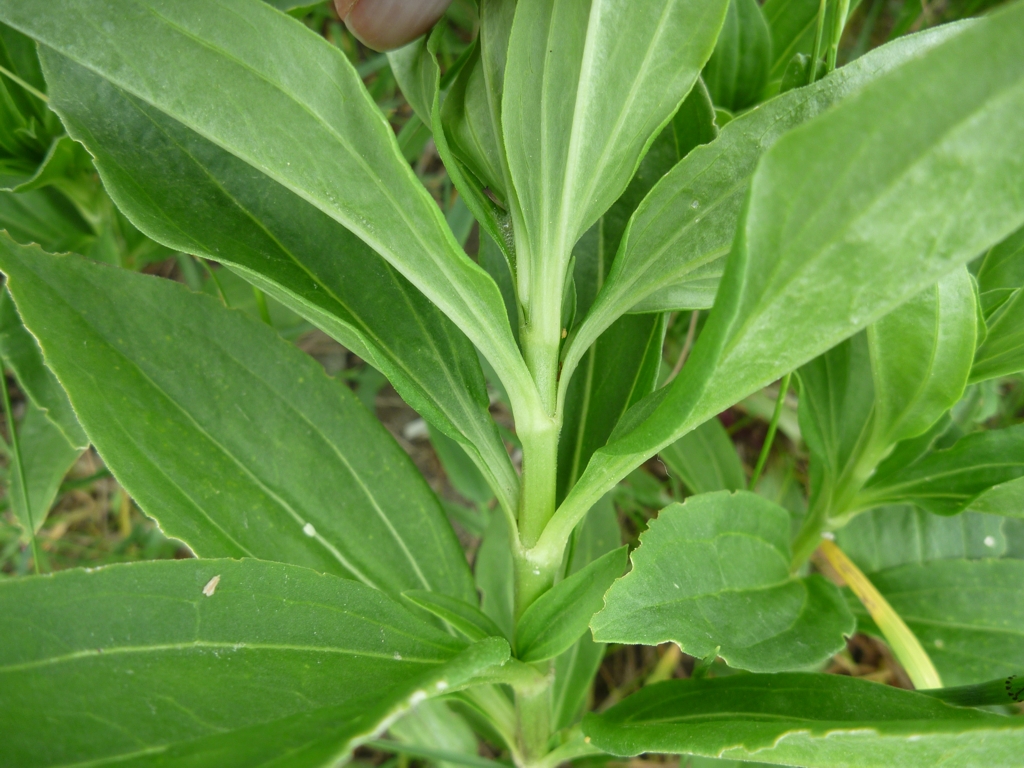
{"x": 830, "y": 233}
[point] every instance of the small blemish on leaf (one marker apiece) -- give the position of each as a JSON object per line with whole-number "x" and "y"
{"x": 211, "y": 586}
{"x": 309, "y": 530}
{"x": 990, "y": 541}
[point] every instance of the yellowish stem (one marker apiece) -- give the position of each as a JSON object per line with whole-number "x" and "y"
{"x": 904, "y": 644}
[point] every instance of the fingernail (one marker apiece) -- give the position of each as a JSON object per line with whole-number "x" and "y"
{"x": 388, "y": 24}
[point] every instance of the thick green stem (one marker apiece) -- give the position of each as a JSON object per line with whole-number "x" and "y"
{"x": 809, "y": 537}
{"x": 533, "y": 709}
{"x": 539, "y": 436}
{"x": 842, "y": 9}
{"x": 816, "y": 50}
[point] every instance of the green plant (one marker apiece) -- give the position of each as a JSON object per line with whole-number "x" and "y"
{"x": 862, "y": 232}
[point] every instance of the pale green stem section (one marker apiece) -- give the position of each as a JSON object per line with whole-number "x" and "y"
{"x": 38, "y": 94}
{"x": 261, "y": 305}
{"x": 575, "y": 747}
{"x": 216, "y": 281}
{"x": 533, "y": 708}
{"x": 666, "y": 665}
{"x": 818, "y": 34}
{"x": 780, "y": 401}
{"x": 904, "y": 644}
{"x": 539, "y": 435}
{"x": 16, "y": 454}
{"x": 495, "y": 705}
{"x": 838, "y": 25}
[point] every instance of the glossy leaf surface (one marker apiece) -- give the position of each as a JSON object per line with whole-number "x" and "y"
{"x": 234, "y": 440}
{"x": 197, "y": 197}
{"x": 166, "y": 660}
{"x": 321, "y": 137}
{"x": 561, "y": 615}
{"x": 714, "y": 573}
{"x": 813, "y": 720}
{"x": 847, "y": 217}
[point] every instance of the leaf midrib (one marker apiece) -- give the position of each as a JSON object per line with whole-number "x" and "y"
{"x": 211, "y": 644}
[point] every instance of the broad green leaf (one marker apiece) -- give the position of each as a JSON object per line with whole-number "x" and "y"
{"x": 21, "y": 353}
{"x": 557, "y": 619}
{"x": 588, "y": 86}
{"x": 813, "y": 720}
{"x": 921, "y": 357}
{"x": 575, "y": 669}
{"x": 737, "y": 71}
{"x": 968, "y": 615}
{"x": 713, "y": 572}
{"x": 706, "y": 460}
{"x": 847, "y": 217}
{"x": 225, "y": 662}
{"x": 197, "y": 197}
{"x": 234, "y": 440}
{"x": 948, "y": 481}
{"x": 46, "y": 458}
{"x": 673, "y": 252}
{"x": 317, "y": 132}
{"x": 903, "y": 535}
{"x": 463, "y": 616}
